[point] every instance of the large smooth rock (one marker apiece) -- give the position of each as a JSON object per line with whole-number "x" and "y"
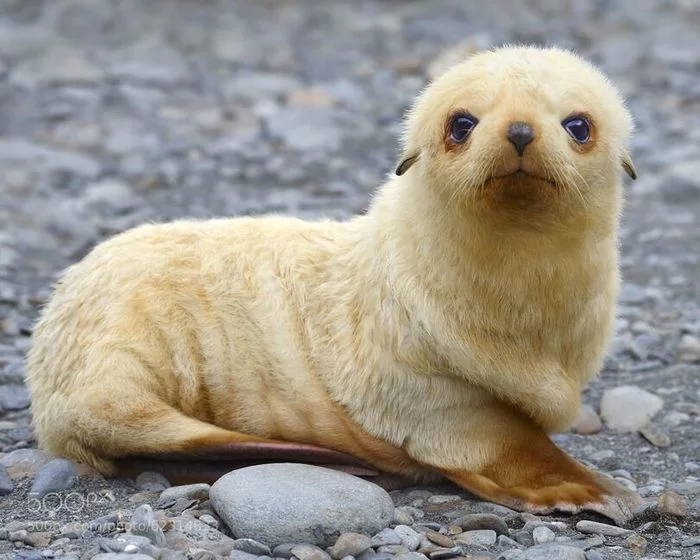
{"x": 629, "y": 408}
{"x": 285, "y": 502}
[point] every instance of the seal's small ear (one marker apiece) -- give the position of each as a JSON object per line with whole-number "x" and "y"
{"x": 628, "y": 166}
{"x": 406, "y": 163}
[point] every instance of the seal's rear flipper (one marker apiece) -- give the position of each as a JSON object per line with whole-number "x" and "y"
{"x": 208, "y": 464}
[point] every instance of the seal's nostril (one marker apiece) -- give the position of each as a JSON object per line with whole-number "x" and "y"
{"x": 520, "y": 134}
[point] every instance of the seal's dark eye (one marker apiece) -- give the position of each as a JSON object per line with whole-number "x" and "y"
{"x": 578, "y": 128}
{"x": 461, "y": 127}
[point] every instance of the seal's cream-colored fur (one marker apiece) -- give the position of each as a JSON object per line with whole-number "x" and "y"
{"x": 444, "y": 331}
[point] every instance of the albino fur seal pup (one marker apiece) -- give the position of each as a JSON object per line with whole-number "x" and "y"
{"x": 445, "y": 332}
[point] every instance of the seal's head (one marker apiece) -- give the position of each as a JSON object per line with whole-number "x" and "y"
{"x": 520, "y": 130}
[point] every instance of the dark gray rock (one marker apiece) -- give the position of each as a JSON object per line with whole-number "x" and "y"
{"x": 13, "y": 397}
{"x": 251, "y": 547}
{"x": 6, "y": 485}
{"x": 54, "y": 476}
{"x": 152, "y": 482}
{"x": 143, "y": 523}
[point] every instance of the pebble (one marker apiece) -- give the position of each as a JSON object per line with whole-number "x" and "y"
{"x": 594, "y": 527}
{"x": 409, "y": 538}
{"x": 309, "y": 552}
{"x": 587, "y": 421}
{"x": 485, "y": 537}
{"x": 672, "y": 503}
{"x": 143, "y": 523}
{"x": 6, "y": 484}
{"x": 445, "y": 553}
{"x": 198, "y": 492}
{"x": 553, "y": 551}
{"x": 409, "y": 556}
{"x": 406, "y": 515}
{"x": 686, "y": 488}
{"x": 54, "y": 476}
{"x": 439, "y": 539}
{"x": 251, "y": 547}
{"x": 442, "y": 499}
{"x": 24, "y": 463}
{"x": 542, "y": 535}
{"x": 689, "y": 349}
{"x": 353, "y": 544}
{"x": 475, "y": 521}
{"x": 278, "y": 503}
{"x": 628, "y": 408}
{"x": 151, "y": 482}
{"x": 637, "y": 544}
{"x": 384, "y": 537}
{"x": 655, "y": 435}
{"x": 188, "y": 530}
{"x": 13, "y": 397}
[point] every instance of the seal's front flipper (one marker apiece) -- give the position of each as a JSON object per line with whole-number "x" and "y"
{"x": 530, "y": 473}
{"x": 209, "y": 463}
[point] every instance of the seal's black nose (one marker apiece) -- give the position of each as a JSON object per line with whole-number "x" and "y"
{"x": 520, "y": 134}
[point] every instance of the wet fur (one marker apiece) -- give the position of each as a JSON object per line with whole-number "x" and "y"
{"x": 445, "y": 331}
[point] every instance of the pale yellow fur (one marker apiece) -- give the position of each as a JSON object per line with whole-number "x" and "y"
{"x": 416, "y": 319}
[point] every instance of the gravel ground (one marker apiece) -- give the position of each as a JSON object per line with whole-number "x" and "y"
{"x": 117, "y": 112}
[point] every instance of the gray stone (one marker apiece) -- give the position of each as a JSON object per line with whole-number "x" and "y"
{"x": 6, "y": 485}
{"x": 507, "y": 542}
{"x": 683, "y": 182}
{"x": 187, "y": 530}
{"x": 553, "y": 551}
{"x": 409, "y": 538}
{"x": 152, "y": 482}
{"x": 384, "y": 537}
{"x": 50, "y": 159}
{"x": 143, "y": 522}
{"x": 54, "y": 476}
{"x": 251, "y": 547}
{"x": 309, "y": 552}
{"x": 655, "y": 435}
{"x": 485, "y": 537}
{"x": 512, "y": 554}
{"x": 685, "y": 488}
{"x": 110, "y": 194}
{"x": 120, "y": 556}
{"x": 241, "y": 555}
{"x": 410, "y": 556}
{"x": 350, "y": 544}
{"x": 475, "y": 521}
{"x": 13, "y": 397}
{"x": 628, "y": 408}
{"x": 689, "y": 349}
{"x": 587, "y": 421}
{"x": 278, "y": 503}
{"x": 24, "y": 463}
{"x": 631, "y": 294}
{"x": 586, "y": 526}
{"x": 303, "y": 129}
{"x": 189, "y": 491}
{"x": 446, "y": 553}
{"x": 542, "y": 535}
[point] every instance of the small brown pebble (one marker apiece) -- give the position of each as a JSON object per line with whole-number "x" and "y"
{"x": 637, "y": 544}
{"x": 654, "y": 435}
{"x": 673, "y": 504}
{"x": 440, "y": 540}
{"x": 454, "y": 530}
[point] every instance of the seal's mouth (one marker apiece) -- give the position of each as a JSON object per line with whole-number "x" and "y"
{"x": 520, "y": 174}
